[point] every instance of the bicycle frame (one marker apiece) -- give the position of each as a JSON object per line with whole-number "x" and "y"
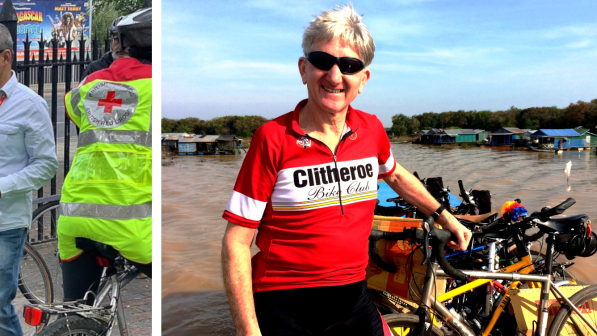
{"x": 524, "y": 266}
{"x": 113, "y": 285}
{"x": 109, "y": 286}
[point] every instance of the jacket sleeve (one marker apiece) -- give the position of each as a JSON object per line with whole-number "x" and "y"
{"x": 41, "y": 149}
{"x": 254, "y": 184}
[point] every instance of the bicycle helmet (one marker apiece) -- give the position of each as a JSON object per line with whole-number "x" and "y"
{"x": 112, "y": 29}
{"x": 134, "y": 30}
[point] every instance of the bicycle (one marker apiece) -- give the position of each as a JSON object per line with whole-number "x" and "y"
{"x": 40, "y": 279}
{"x": 78, "y": 317}
{"x": 422, "y": 320}
{"x": 35, "y": 288}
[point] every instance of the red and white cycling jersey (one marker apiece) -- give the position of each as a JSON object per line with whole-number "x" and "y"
{"x": 313, "y": 209}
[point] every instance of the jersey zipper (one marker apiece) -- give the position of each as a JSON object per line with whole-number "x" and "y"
{"x": 349, "y": 133}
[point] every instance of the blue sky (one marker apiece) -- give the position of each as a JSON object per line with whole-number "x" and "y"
{"x": 240, "y": 57}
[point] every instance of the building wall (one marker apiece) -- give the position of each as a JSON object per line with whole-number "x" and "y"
{"x": 188, "y": 147}
{"x": 466, "y": 138}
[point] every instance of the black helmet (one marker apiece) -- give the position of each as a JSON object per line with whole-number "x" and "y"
{"x": 113, "y": 30}
{"x": 134, "y": 30}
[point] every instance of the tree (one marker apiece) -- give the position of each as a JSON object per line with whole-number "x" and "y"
{"x": 168, "y": 125}
{"x": 105, "y": 11}
{"x": 190, "y": 125}
{"x": 400, "y": 124}
{"x": 122, "y": 6}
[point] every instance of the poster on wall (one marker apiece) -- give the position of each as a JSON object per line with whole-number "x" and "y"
{"x": 65, "y": 20}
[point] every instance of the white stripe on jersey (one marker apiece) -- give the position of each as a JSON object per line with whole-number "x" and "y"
{"x": 245, "y": 206}
{"x": 388, "y": 165}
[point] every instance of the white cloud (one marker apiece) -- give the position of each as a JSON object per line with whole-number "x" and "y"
{"x": 588, "y": 30}
{"x": 579, "y": 44}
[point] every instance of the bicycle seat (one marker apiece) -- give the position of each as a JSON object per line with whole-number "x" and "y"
{"x": 476, "y": 218}
{"x": 96, "y": 248}
{"x": 563, "y": 225}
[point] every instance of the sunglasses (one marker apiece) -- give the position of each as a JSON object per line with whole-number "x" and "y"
{"x": 324, "y": 61}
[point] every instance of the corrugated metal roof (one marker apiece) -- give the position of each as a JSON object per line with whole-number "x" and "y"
{"x": 556, "y": 132}
{"x": 227, "y": 137}
{"x": 206, "y": 138}
{"x": 184, "y": 140}
{"x": 459, "y": 131}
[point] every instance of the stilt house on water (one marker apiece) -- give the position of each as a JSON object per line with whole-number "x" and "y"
{"x": 209, "y": 144}
{"x": 589, "y": 137}
{"x": 170, "y": 140}
{"x": 570, "y": 138}
{"x": 506, "y": 136}
{"x": 418, "y": 137}
{"x": 441, "y": 136}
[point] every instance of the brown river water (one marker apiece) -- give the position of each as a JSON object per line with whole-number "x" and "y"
{"x": 195, "y": 190}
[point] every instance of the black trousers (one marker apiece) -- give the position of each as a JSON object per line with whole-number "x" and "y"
{"x": 338, "y": 310}
{"x": 83, "y": 274}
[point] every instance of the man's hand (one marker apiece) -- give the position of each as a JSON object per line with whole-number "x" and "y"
{"x": 451, "y": 224}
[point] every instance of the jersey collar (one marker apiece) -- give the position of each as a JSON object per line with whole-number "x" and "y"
{"x": 351, "y": 118}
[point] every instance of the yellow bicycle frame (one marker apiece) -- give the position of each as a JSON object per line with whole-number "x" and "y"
{"x": 524, "y": 266}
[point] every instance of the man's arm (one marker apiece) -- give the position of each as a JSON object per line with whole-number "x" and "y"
{"x": 236, "y": 267}
{"x": 40, "y": 146}
{"x": 413, "y": 191}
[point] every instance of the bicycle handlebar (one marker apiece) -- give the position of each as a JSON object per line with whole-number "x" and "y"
{"x": 557, "y": 210}
{"x": 463, "y": 193}
{"x": 435, "y": 237}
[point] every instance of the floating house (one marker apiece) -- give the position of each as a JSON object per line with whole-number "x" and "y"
{"x": 481, "y": 135}
{"x": 590, "y": 138}
{"x": 551, "y": 138}
{"x": 209, "y": 144}
{"x": 505, "y": 136}
{"x": 418, "y": 137}
{"x": 448, "y": 136}
{"x": 170, "y": 140}
{"x": 229, "y": 144}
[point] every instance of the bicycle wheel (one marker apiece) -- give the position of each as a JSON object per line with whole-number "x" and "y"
{"x": 35, "y": 282}
{"x": 44, "y": 238}
{"x": 404, "y": 324}
{"x": 75, "y": 325}
{"x": 585, "y": 300}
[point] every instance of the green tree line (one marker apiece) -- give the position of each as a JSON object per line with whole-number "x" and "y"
{"x": 242, "y": 126}
{"x": 579, "y": 114}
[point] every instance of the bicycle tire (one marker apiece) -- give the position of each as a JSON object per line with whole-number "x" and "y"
{"x": 32, "y": 265}
{"x": 587, "y": 296}
{"x": 46, "y": 217}
{"x": 74, "y": 325}
{"x": 404, "y": 324}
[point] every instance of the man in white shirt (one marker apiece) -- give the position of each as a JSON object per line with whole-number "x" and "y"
{"x": 27, "y": 161}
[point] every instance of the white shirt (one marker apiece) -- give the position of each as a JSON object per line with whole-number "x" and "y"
{"x": 27, "y": 152}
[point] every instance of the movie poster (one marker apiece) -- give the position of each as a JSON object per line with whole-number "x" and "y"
{"x": 66, "y": 20}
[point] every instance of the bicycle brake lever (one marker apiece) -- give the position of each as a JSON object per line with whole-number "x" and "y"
{"x": 426, "y": 249}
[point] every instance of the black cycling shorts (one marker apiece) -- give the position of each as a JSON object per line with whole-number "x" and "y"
{"x": 339, "y": 310}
